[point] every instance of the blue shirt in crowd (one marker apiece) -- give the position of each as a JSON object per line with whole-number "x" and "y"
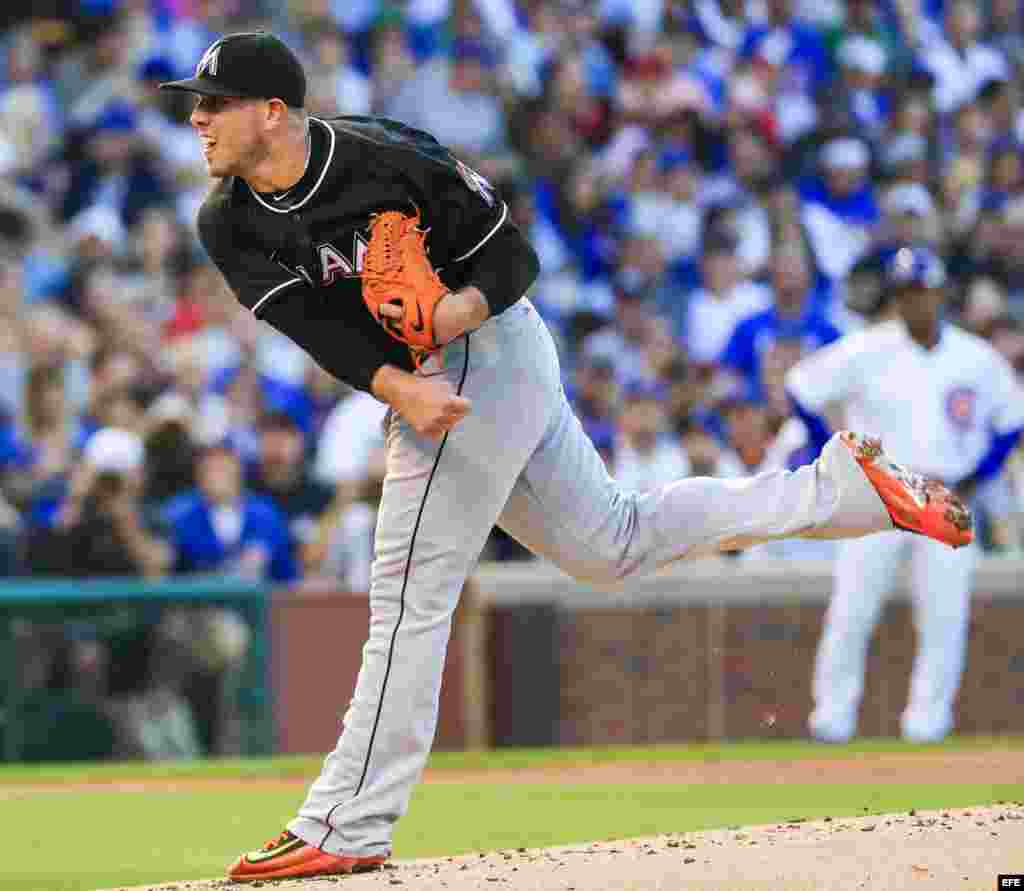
{"x": 756, "y": 338}
{"x": 261, "y": 543}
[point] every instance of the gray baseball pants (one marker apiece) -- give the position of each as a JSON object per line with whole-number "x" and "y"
{"x": 520, "y": 459}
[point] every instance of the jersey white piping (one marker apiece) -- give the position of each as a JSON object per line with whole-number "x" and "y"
{"x": 316, "y": 185}
{"x": 487, "y": 237}
{"x": 276, "y": 289}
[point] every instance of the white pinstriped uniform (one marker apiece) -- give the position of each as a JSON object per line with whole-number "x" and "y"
{"x": 936, "y": 411}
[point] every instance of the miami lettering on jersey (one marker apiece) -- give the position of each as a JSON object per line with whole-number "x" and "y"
{"x": 334, "y": 264}
{"x": 331, "y": 262}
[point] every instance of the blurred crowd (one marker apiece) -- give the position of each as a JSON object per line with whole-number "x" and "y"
{"x": 709, "y": 184}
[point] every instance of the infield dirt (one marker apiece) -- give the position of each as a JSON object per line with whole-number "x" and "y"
{"x": 961, "y": 848}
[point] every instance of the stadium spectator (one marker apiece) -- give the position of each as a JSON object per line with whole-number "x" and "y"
{"x": 909, "y": 216}
{"x": 98, "y": 526}
{"x": 281, "y": 476}
{"x": 904, "y": 157}
{"x": 861, "y": 98}
{"x": 966, "y": 144}
{"x": 165, "y": 134}
{"x": 1004, "y": 31}
{"x": 999, "y": 100}
{"x": 594, "y": 397}
{"x": 156, "y": 244}
{"x": 725, "y": 299}
{"x": 337, "y": 86}
{"x": 29, "y": 119}
{"x": 234, "y": 402}
{"x": 839, "y": 209}
{"x": 648, "y": 454}
{"x": 340, "y": 551}
{"x": 169, "y": 429}
{"x": 96, "y": 70}
{"x": 958, "y": 60}
{"x": 748, "y": 434}
{"x": 751, "y": 168}
{"x": 864, "y": 20}
{"x": 454, "y": 99}
{"x": 352, "y": 442}
{"x": 765, "y": 345}
{"x": 114, "y": 170}
{"x": 222, "y": 528}
{"x": 392, "y": 64}
{"x": 205, "y": 317}
{"x": 791, "y": 63}
{"x": 640, "y": 285}
{"x": 47, "y": 422}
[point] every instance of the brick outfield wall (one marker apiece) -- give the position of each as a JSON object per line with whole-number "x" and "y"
{"x": 550, "y": 671}
{"x": 316, "y": 645}
{"x": 718, "y": 649}
{"x": 654, "y": 675}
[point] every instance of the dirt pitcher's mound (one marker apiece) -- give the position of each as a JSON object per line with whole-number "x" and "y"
{"x": 962, "y": 848}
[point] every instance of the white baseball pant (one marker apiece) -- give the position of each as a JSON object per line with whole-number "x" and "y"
{"x": 865, "y": 572}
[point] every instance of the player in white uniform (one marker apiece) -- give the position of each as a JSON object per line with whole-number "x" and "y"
{"x": 951, "y": 409}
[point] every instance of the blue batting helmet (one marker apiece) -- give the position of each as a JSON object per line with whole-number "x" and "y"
{"x": 915, "y": 267}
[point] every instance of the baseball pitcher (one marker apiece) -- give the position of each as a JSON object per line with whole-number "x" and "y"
{"x": 397, "y": 268}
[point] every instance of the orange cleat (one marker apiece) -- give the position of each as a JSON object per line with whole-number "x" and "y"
{"x": 289, "y": 857}
{"x": 914, "y": 503}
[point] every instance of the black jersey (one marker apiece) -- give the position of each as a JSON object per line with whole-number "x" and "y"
{"x": 294, "y": 258}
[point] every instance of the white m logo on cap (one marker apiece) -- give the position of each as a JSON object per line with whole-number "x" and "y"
{"x": 208, "y": 63}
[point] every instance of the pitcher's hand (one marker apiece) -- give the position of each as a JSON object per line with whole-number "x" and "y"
{"x": 429, "y": 405}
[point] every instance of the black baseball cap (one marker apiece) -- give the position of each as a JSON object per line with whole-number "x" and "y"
{"x": 252, "y": 64}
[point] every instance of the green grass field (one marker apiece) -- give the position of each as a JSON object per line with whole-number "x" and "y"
{"x": 73, "y": 840}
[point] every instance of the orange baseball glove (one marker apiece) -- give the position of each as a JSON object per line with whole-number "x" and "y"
{"x": 396, "y": 271}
